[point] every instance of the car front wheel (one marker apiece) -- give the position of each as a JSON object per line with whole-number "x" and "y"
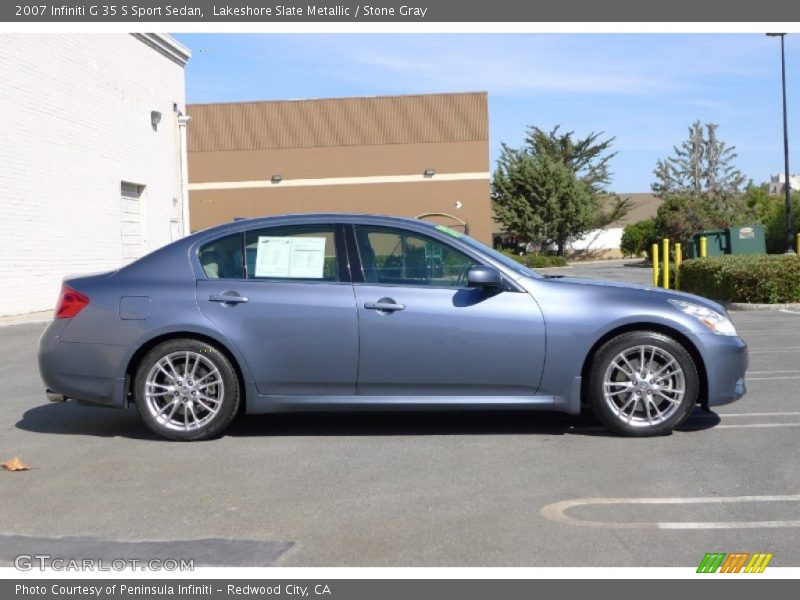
{"x": 186, "y": 389}
{"x": 643, "y": 383}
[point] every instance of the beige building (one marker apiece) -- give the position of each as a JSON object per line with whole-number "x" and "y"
{"x": 397, "y": 155}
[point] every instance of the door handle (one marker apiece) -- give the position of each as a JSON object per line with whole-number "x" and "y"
{"x": 384, "y": 306}
{"x": 227, "y": 298}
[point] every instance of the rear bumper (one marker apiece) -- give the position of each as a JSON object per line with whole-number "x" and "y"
{"x": 726, "y": 363}
{"x": 86, "y": 372}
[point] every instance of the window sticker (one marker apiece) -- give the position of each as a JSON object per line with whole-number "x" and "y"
{"x": 290, "y": 257}
{"x": 449, "y": 231}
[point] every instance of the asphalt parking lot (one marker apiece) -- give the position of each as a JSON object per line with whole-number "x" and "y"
{"x": 419, "y": 489}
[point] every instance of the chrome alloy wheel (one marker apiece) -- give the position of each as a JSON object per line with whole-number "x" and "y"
{"x": 644, "y": 386}
{"x": 184, "y": 391}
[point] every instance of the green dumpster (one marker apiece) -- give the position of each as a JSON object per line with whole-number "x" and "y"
{"x": 747, "y": 239}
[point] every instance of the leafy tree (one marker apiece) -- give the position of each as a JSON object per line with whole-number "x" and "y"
{"x": 572, "y": 204}
{"x": 701, "y": 166}
{"x": 679, "y": 217}
{"x": 588, "y": 157}
{"x": 540, "y": 199}
{"x": 638, "y": 237}
{"x": 775, "y": 222}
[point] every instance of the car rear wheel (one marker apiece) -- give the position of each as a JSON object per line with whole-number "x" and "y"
{"x": 186, "y": 389}
{"x": 643, "y": 383}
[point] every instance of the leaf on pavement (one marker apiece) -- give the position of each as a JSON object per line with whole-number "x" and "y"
{"x": 15, "y": 464}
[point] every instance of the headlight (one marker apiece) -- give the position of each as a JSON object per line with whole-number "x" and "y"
{"x": 716, "y": 322}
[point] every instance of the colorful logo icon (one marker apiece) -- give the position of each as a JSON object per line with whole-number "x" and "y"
{"x": 736, "y": 562}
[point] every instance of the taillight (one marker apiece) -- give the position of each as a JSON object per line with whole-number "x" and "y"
{"x": 70, "y": 303}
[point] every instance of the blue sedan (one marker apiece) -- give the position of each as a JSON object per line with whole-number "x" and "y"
{"x": 346, "y": 312}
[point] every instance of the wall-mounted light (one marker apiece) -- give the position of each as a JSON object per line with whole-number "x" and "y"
{"x": 277, "y": 178}
{"x": 155, "y": 118}
{"x": 429, "y": 172}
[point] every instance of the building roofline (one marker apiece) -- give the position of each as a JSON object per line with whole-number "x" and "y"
{"x": 340, "y": 98}
{"x": 167, "y": 46}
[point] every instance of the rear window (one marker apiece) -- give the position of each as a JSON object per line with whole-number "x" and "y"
{"x": 222, "y": 258}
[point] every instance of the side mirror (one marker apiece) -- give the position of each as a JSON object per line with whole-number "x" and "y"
{"x": 481, "y": 276}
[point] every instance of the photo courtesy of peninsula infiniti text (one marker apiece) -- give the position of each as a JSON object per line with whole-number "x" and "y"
{"x": 351, "y": 312}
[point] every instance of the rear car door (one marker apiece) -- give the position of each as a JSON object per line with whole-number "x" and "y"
{"x": 424, "y": 332}
{"x": 283, "y": 297}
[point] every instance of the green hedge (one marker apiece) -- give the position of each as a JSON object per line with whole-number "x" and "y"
{"x": 761, "y": 278}
{"x": 537, "y": 261}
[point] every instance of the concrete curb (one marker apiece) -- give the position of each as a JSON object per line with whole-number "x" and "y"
{"x": 746, "y": 306}
{"x": 34, "y": 317}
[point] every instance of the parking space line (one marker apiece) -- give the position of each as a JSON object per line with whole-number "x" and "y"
{"x": 756, "y": 425}
{"x": 786, "y": 349}
{"x": 749, "y": 379}
{"x": 769, "y": 414}
{"x": 770, "y": 372}
{"x": 557, "y": 512}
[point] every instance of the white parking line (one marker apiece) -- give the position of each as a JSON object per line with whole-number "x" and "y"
{"x": 557, "y": 512}
{"x": 749, "y": 379}
{"x": 786, "y": 349}
{"x": 761, "y": 414}
{"x": 770, "y": 372}
{"x": 787, "y": 311}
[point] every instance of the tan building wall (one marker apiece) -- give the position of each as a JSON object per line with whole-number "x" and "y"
{"x": 342, "y": 155}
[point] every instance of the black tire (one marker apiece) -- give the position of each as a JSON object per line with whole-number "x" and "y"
{"x": 642, "y": 427}
{"x": 226, "y": 393}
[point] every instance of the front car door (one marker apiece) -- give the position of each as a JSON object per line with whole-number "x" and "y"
{"x": 283, "y": 296}
{"x": 424, "y": 332}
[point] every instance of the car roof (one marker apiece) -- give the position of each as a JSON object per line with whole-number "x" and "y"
{"x": 300, "y": 218}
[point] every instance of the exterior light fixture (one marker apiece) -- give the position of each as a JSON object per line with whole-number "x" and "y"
{"x": 277, "y": 178}
{"x": 155, "y": 118}
{"x": 429, "y": 173}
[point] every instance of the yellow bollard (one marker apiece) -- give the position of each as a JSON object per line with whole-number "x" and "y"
{"x": 665, "y": 271}
{"x": 678, "y": 260}
{"x": 797, "y": 246}
{"x": 703, "y": 247}
{"x": 654, "y": 256}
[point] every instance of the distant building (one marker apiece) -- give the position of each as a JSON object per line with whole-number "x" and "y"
{"x": 413, "y": 156}
{"x": 776, "y": 183}
{"x": 604, "y": 243}
{"x": 90, "y": 153}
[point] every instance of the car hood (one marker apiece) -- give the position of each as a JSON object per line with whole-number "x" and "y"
{"x": 637, "y": 289}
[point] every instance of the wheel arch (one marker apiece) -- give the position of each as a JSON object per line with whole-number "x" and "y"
{"x": 702, "y": 397}
{"x": 145, "y": 347}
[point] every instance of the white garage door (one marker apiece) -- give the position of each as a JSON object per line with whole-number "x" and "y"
{"x": 132, "y": 222}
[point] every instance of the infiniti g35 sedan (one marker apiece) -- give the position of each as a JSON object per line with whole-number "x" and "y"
{"x": 347, "y": 312}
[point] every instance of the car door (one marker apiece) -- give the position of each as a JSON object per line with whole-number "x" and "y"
{"x": 423, "y": 332}
{"x": 283, "y": 296}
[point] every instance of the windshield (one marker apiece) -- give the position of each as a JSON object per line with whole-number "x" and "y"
{"x": 484, "y": 249}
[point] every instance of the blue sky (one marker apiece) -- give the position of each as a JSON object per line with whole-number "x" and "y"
{"x": 644, "y": 89}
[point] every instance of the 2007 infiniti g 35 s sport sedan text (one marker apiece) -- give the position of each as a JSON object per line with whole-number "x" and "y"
{"x": 324, "y": 312}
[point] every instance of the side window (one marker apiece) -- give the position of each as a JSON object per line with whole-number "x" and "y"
{"x": 222, "y": 258}
{"x": 395, "y": 256}
{"x": 296, "y": 252}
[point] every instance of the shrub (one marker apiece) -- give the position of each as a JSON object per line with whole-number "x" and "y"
{"x": 744, "y": 278}
{"x": 637, "y": 238}
{"x": 537, "y": 261}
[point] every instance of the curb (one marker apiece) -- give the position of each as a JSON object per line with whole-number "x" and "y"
{"x": 747, "y": 306}
{"x": 34, "y": 317}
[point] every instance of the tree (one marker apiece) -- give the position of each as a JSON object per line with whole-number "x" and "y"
{"x": 580, "y": 184}
{"x": 701, "y": 166}
{"x": 540, "y": 199}
{"x": 589, "y": 159}
{"x": 680, "y": 217}
{"x": 639, "y": 237}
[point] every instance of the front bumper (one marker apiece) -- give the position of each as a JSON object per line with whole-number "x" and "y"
{"x": 726, "y": 361}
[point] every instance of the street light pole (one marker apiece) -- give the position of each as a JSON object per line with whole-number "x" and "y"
{"x": 787, "y": 185}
